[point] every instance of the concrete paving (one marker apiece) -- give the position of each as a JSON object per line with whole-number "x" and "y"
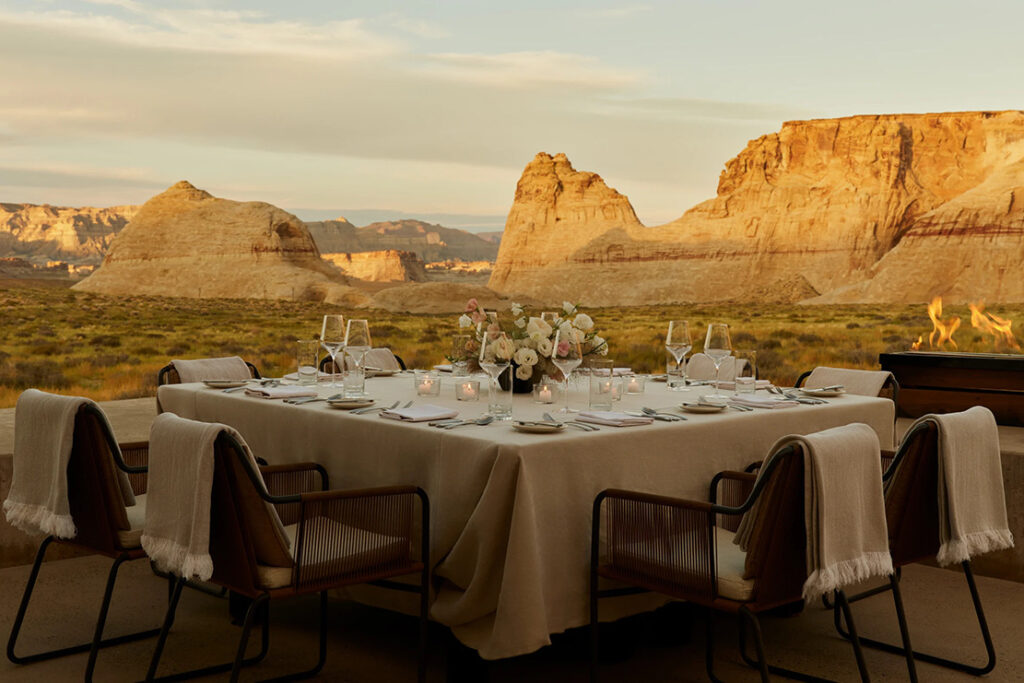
{"x": 368, "y": 644}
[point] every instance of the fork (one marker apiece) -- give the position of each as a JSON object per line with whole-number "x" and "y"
{"x": 371, "y": 409}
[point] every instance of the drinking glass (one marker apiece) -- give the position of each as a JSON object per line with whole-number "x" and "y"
{"x": 602, "y": 384}
{"x": 307, "y": 357}
{"x": 495, "y": 358}
{"x": 718, "y": 346}
{"x": 566, "y": 355}
{"x": 678, "y": 343}
{"x": 332, "y": 338}
{"x": 357, "y": 343}
{"x": 746, "y": 371}
{"x": 460, "y": 354}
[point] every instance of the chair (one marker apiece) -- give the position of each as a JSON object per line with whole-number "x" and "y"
{"x": 104, "y": 525}
{"x": 912, "y": 515}
{"x": 169, "y": 374}
{"x": 339, "y": 538}
{"x": 382, "y": 358}
{"x": 861, "y": 382}
{"x": 701, "y": 367}
{"x": 684, "y": 549}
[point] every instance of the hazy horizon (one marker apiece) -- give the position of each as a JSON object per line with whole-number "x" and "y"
{"x": 435, "y": 108}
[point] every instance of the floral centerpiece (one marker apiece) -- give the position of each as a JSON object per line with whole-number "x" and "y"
{"x": 530, "y": 338}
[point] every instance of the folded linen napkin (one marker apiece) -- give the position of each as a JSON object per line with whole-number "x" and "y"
{"x": 420, "y": 413}
{"x": 197, "y": 370}
{"x": 972, "y": 504}
{"x": 730, "y": 385}
{"x": 859, "y": 382}
{"x": 44, "y": 426}
{"x": 770, "y": 402}
{"x": 279, "y": 392}
{"x": 844, "y": 509}
{"x": 614, "y": 419}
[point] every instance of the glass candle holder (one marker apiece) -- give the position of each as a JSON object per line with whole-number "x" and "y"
{"x": 426, "y": 383}
{"x": 634, "y": 384}
{"x": 467, "y": 389}
{"x": 546, "y": 391}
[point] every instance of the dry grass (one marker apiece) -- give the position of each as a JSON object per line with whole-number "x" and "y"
{"x": 111, "y": 348}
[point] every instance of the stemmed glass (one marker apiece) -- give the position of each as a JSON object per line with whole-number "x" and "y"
{"x": 357, "y": 343}
{"x": 718, "y": 345}
{"x": 494, "y": 360}
{"x": 678, "y": 342}
{"x": 332, "y": 338}
{"x": 566, "y": 355}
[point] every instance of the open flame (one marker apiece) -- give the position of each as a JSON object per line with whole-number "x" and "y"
{"x": 999, "y": 328}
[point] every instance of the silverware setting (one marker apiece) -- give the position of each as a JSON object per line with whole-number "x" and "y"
{"x": 793, "y": 396}
{"x": 742, "y": 409}
{"x": 373, "y": 409}
{"x": 485, "y": 420}
{"x": 665, "y": 417}
{"x": 302, "y": 400}
{"x": 582, "y": 426}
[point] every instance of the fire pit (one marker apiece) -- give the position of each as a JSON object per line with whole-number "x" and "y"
{"x": 944, "y": 382}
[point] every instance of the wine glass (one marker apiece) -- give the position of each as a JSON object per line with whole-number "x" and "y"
{"x": 332, "y": 338}
{"x": 566, "y": 355}
{"x": 495, "y": 357}
{"x": 357, "y": 343}
{"x": 678, "y": 343}
{"x": 718, "y": 345}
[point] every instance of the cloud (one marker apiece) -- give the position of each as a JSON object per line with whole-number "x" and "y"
{"x": 73, "y": 176}
{"x": 616, "y": 12}
{"x": 524, "y": 69}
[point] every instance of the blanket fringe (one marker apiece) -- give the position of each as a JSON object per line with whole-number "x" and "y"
{"x": 839, "y": 574}
{"x": 957, "y": 550}
{"x": 175, "y": 558}
{"x": 34, "y": 519}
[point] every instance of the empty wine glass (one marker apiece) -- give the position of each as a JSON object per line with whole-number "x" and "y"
{"x": 357, "y": 343}
{"x": 332, "y": 338}
{"x": 566, "y": 355}
{"x": 678, "y": 343}
{"x": 718, "y": 346}
{"x": 495, "y": 358}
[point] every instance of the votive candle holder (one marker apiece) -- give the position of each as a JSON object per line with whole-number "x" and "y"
{"x": 467, "y": 389}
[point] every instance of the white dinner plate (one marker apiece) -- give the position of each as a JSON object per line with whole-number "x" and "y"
{"x": 824, "y": 393}
{"x": 702, "y": 408}
{"x": 381, "y": 373}
{"x": 443, "y": 368}
{"x": 224, "y": 383}
{"x": 537, "y": 427}
{"x": 350, "y": 403}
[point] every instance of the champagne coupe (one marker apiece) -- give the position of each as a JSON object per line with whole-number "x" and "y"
{"x": 566, "y": 355}
{"x": 494, "y": 360}
{"x": 718, "y": 345}
{"x": 332, "y": 338}
{"x": 678, "y": 343}
{"x": 357, "y": 343}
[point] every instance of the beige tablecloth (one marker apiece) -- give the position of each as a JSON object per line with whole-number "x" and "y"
{"x": 510, "y": 512}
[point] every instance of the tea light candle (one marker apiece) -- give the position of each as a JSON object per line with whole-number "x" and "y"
{"x": 425, "y": 386}
{"x": 635, "y": 385}
{"x": 545, "y": 394}
{"x": 616, "y": 389}
{"x": 468, "y": 390}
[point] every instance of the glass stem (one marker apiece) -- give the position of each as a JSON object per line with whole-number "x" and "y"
{"x": 718, "y": 375}
{"x": 566, "y": 408}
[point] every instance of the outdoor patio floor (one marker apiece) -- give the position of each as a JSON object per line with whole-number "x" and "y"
{"x": 367, "y": 644}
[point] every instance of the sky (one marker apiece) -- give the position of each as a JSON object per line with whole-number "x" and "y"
{"x": 432, "y": 108}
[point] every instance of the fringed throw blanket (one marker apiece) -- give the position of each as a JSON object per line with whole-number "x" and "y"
{"x": 860, "y": 382}
{"x": 200, "y": 369}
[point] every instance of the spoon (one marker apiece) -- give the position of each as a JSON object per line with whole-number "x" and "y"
{"x": 485, "y": 420}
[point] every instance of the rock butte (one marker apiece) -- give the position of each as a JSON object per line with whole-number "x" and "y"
{"x": 81, "y": 235}
{"x": 888, "y": 208}
{"x": 186, "y": 242}
{"x": 390, "y": 265}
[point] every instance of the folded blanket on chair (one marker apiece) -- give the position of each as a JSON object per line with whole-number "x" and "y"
{"x": 44, "y": 426}
{"x": 972, "y": 503}
{"x": 859, "y": 382}
{"x": 197, "y": 370}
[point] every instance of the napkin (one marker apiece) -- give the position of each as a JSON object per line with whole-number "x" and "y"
{"x": 755, "y": 401}
{"x": 279, "y": 392}
{"x": 423, "y": 413}
{"x": 613, "y": 419}
{"x": 619, "y": 372}
{"x": 731, "y": 386}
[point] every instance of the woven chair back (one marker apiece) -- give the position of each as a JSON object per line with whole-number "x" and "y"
{"x": 911, "y": 500}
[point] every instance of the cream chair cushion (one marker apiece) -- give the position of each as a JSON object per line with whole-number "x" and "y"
{"x": 132, "y": 537}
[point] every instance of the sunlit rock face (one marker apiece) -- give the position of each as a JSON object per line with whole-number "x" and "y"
{"x": 76, "y": 235}
{"x": 866, "y": 208}
{"x": 186, "y": 242}
{"x": 389, "y": 265}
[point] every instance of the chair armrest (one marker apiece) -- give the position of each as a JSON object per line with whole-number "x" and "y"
{"x": 300, "y": 477}
{"x": 731, "y": 488}
{"x": 134, "y": 461}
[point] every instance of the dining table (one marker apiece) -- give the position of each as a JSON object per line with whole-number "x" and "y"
{"x": 510, "y": 510}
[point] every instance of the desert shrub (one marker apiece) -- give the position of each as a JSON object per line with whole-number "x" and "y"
{"x": 809, "y": 338}
{"x": 385, "y": 330}
{"x": 892, "y": 338}
{"x": 109, "y": 341}
{"x": 782, "y": 333}
{"x": 178, "y": 349}
{"x": 771, "y": 344}
{"x": 852, "y": 326}
{"x": 231, "y": 348}
{"x": 45, "y": 331}
{"x": 146, "y": 351}
{"x": 109, "y": 360}
{"x": 428, "y": 336}
{"x": 744, "y": 338}
{"x": 33, "y": 373}
{"x": 44, "y": 347}
{"x": 856, "y": 357}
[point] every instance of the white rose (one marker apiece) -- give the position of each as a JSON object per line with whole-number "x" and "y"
{"x": 600, "y": 345}
{"x": 517, "y": 309}
{"x": 544, "y": 347}
{"x": 465, "y": 321}
{"x": 538, "y": 328}
{"x": 503, "y": 348}
{"x": 526, "y": 356}
{"x": 568, "y": 307}
{"x": 520, "y": 322}
{"x": 583, "y": 322}
{"x": 524, "y": 371}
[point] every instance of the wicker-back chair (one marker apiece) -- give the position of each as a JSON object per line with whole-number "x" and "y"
{"x": 912, "y": 515}
{"x": 684, "y": 549}
{"x": 104, "y": 526}
{"x": 169, "y": 375}
{"x": 339, "y": 538}
{"x": 327, "y": 365}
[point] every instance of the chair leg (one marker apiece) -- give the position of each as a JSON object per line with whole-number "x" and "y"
{"x": 594, "y": 629}
{"x": 746, "y": 616}
{"x": 934, "y": 659}
{"x": 858, "y": 653}
{"x": 901, "y": 616}
{"x": 709, "y": 645}
{"x": 92, "y": 646}
{"x": 421, "y": 665}
{"x": 243, "y": 641}
{"x": 172, "y": 605}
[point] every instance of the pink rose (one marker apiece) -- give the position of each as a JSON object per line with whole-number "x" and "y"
{"x": 478, "y": 316}
{"x": 563, "y": 348}
{"x": 471, "y": 305}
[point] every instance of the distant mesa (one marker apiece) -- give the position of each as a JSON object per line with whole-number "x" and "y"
{"x": 889, "y": 208}
{"x": 430, "y": 242}
{"x": 185, "y": 242}
{"x": 43, "y": 233}
{"x": 390, "y": 265}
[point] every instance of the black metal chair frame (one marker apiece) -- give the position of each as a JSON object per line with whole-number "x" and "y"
{"x": 747, "y": 617}
{"x": 98, "y": 642}
{"x": 894, "y": 585}
{"x": 258, "y": 609}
